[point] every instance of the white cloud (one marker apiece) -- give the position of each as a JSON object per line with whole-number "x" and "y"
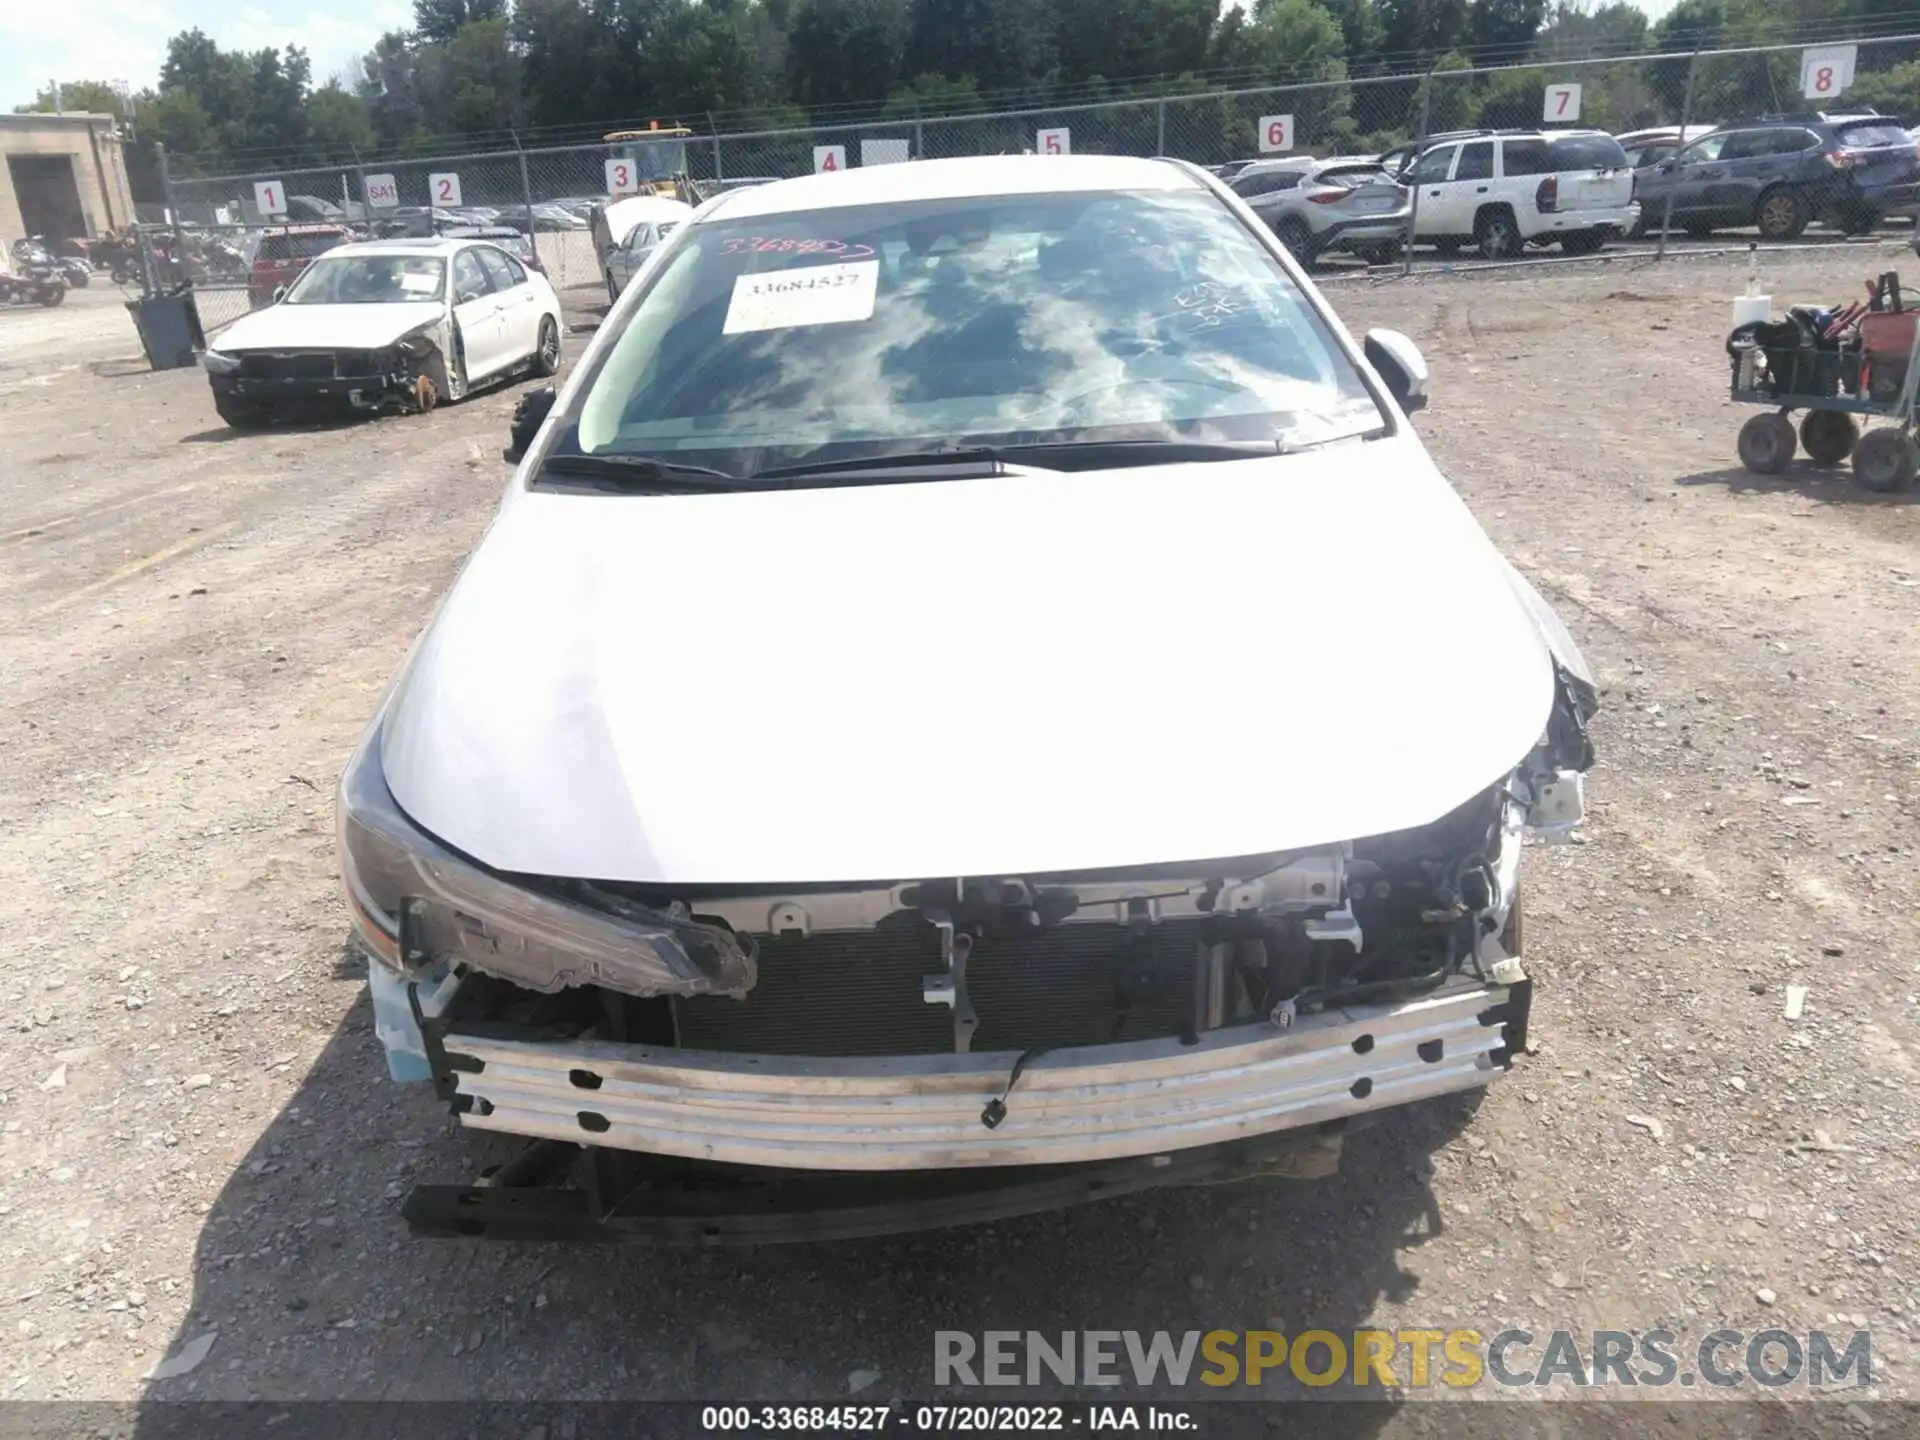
{"x": 127, "y": 39}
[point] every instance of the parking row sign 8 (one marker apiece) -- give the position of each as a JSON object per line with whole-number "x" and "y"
{"x": 1276, "y": 133}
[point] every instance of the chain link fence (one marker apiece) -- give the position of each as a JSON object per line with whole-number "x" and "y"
{"x": 237, "y": 236}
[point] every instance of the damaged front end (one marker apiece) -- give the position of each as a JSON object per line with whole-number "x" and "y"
{"x": 1039, "y": 1025}
{"x": 408, "y": 374}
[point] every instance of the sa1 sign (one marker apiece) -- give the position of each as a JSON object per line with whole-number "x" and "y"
{"x": 270, "y": 197}
{"x": 1563, "y": 103}
{"x": 1826, "y": 70}
{"x": 623, "y": 178}
{"x": 444, "y": 188}
{"x": 1053, "y": 142}
{"x": 1276, "y": 133}
{"x": 829, "y": 159}
{"x": 383, "y": 192}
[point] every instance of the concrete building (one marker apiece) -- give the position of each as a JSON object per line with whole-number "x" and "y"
{"x": 64, "y": 176}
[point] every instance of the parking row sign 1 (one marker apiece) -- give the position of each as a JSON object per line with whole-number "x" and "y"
{"x": 270, "y": 197}
{"x": 1276, "y": 134}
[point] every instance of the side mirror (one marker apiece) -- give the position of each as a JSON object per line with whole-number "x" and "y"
{"x": 279, "y": 293}
{"x": 1400, "y": 366}
{"x": 529, "y": 414}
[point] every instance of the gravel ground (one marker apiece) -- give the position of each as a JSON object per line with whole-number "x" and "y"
{"x": 199, "y": 1139}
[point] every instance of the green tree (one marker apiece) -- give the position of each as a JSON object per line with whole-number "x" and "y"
{"x": 95, "y": 97}
{"x": 438, "y": 21}
{"x": 338, "y": 122}
{"x": 1501, "y": 31}
{"x": 1000, "y": 44}
{"x": 845, "y": 52}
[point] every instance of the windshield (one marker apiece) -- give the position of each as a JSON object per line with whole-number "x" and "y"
{"x": 928, "y": 325}
{"x": 1586, "y": 152}
{"x": 369, "y": 280}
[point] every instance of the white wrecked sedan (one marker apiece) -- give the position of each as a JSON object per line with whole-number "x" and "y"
{"x": 977, "y": 698}
{"x": 386, "y": 325}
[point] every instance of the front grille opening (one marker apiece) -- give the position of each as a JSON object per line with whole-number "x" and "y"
{"x": 859, "y": 993}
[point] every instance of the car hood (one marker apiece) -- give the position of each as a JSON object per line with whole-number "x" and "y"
{"x": 294, "y": 327}
{"x": 1025, "y": 674}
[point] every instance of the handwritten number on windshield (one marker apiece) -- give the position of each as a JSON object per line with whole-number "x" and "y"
{"x": 789, "y": 245}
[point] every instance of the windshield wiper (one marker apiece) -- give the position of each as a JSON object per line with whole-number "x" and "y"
{"x": 639, "y": 471}
{"x": 977, "y": 461}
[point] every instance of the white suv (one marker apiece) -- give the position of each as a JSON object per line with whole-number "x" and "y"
{"x": 1503, "y": 191}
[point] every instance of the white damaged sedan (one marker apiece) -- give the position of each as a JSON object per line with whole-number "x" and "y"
{"x": 976, "y": 699}
{"x": 386, "y": 325}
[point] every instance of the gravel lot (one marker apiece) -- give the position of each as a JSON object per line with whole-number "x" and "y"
{"x": 198, "y": 1135}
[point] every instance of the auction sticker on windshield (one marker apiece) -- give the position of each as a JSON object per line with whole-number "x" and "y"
{"x": 811, "y": 295}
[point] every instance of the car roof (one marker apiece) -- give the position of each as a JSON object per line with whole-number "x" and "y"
{"x": 401, "y": 245}
{"x": 980, "y": 176}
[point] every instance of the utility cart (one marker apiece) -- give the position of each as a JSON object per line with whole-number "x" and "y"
{"x": 1839, "y": 366}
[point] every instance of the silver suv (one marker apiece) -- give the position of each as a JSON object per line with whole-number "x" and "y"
{"x": 1319, "y": 205}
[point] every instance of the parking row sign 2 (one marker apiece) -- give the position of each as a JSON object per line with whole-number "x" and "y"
{"x": 444, "y": 188}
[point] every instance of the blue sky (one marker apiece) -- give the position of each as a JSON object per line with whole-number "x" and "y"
{"x": 127, "y": 39}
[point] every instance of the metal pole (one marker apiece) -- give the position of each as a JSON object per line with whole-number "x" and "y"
{"x": 1160, "y": 138}
{"x": 919, "y": 134}
{"x": 1686, "y": 114}
{"x": 366, "y": 200}
{"x": 1413, "y": 210}
{"x": 148, "y": 272}
{"x": 526, "y": 189}
{"x": 718, "y": 172}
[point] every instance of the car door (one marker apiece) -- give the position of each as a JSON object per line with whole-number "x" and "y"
{"x": 519, "y": 314}
{"x": 1690, "y": 176}
{"x": 1746, "y": 163}
{"x": 477, "y": 313}
{"x": 1469, "y": 187}
{"x": 1430, "y": 178}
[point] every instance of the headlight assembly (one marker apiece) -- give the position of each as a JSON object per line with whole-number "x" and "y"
{"x": 458, "y": 911}
{"x": 417, "y": 342}
{"x": 215, "y": 363}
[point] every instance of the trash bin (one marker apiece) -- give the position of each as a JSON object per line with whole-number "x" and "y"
{"x": 169, "y": 327}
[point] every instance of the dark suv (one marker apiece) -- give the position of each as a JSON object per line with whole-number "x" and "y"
{"x": 1779, "y": 172}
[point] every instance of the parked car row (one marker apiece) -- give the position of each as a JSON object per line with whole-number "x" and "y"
{"x": 1501, "y": 190}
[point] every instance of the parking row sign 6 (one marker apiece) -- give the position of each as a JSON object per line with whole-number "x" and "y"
{"x": 1276, "y": 133}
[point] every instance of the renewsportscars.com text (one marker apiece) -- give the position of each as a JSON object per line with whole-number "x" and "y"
{"x": 1405, "y": 1359}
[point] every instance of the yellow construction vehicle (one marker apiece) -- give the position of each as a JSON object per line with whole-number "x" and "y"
{"x": 658, "y": 155}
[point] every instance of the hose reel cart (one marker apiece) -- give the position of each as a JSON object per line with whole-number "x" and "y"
{"x": 1836, "y": 364}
